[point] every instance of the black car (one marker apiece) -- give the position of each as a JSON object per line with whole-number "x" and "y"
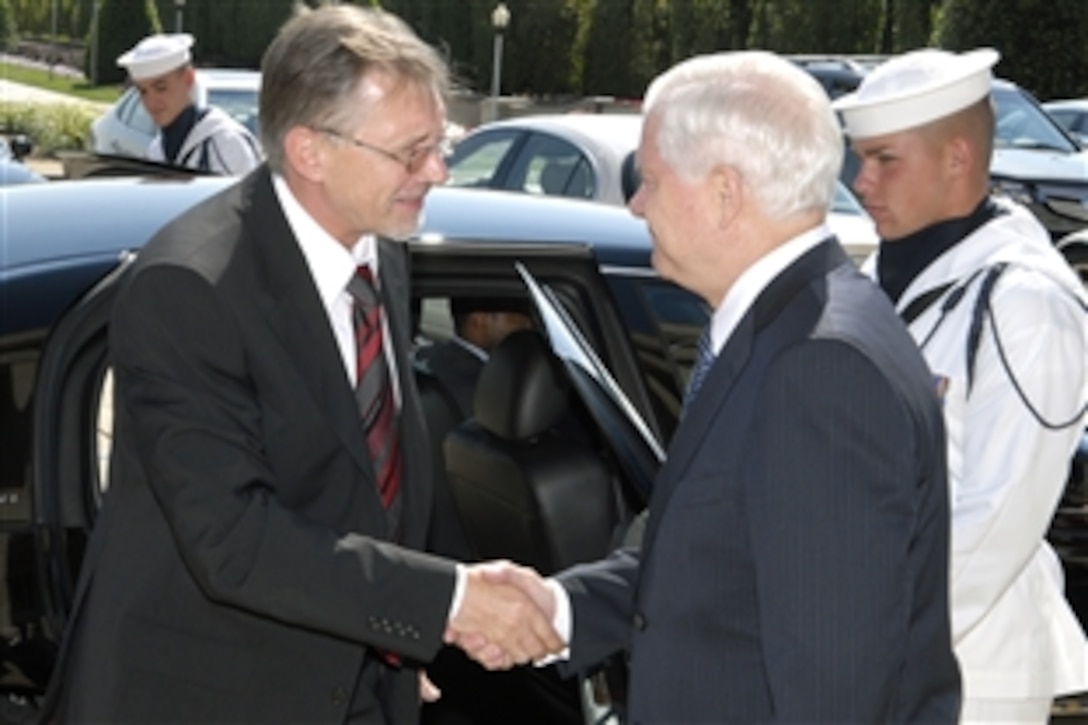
{"x": 624, "y": 339}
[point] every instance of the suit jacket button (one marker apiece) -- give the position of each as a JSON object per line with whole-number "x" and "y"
{"x": 640, "y": 621}
{"x": 339, "y": 696}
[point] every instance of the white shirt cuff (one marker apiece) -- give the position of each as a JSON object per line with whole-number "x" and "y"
{"x": 562, "y": 622}
{"x": 458, "y": 592}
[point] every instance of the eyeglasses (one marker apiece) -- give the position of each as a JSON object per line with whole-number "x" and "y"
{"x": 412, "y": 160}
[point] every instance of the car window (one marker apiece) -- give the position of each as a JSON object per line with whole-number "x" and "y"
{"x": 1065, "y": 118}
{"x": 551, "y": 166}
{"x": 240, "y": 104}
{"x": 477, "y": 160}
{"x": 131, "y": 112}
{"x": 664, "y": 322}
{"x": 1021, "y": 123}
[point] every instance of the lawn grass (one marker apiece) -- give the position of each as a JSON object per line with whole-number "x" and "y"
{"x": 60, "y": 83}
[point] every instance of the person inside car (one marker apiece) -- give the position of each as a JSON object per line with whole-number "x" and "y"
{"x": 479, "y": 325}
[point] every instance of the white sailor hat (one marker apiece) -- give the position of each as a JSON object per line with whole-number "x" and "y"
{"x": 914, "y": 89}
{"x": 156, "y": 55}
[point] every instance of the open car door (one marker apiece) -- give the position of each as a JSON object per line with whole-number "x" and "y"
{"x": 634, "y": 444}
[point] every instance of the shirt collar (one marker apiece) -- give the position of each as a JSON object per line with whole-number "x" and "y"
{"x": 331, "y": 264}
{"x": 755, "y": 279}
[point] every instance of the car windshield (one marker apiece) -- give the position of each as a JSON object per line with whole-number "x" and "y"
{"x": 1021, "y": 124}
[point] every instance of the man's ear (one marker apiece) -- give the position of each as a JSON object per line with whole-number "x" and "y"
{"x": 727, "y": 192}
{"x": 959, "y": 155}
{"x": 304, "y": 152}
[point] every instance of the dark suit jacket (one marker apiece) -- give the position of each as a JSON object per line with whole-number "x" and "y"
{"x": 795, "y": 562}
{"x": 456, "y": 368}
{"x": 240, "y": 569}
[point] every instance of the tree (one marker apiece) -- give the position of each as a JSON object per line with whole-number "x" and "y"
{"x": 121, "y": 24}
{"x": 9, "y": 34}
{"x": 1047, "y": 60}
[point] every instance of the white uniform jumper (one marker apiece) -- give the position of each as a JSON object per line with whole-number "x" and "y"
{"x": 216, "y": 143}
{"x": 1014, "y": 633}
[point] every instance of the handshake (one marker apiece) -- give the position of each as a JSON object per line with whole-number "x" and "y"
{"x": 505, "y": 616}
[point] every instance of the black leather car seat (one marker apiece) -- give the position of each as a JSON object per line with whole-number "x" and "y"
{"x": 445, "y": 535}
{"x": 527, "y": 486}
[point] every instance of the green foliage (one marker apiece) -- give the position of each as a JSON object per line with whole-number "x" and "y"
{"x": 51, "y": 127}
{"x": 1041, "y": 41}
{"x": 9, "y": 33}
{"x": 607, "y": 47}
{"x": 229, "y": 33}
{"x": 121, "y": 24}
{"x": 60, "y": 84}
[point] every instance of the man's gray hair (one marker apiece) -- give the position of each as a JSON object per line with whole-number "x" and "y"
{"x": 757, "y": 113}
{"x": 317, "y": 59}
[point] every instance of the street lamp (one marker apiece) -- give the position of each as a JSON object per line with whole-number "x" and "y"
{"x": 179, "y": 10}
{"x": 500, "y": 18}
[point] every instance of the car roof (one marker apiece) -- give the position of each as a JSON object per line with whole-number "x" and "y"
{"x": 229, "y": 77}
{"x": 1073, "y": 104}
{"x": 133, "y": 209}
{"x": 618, "y": 132}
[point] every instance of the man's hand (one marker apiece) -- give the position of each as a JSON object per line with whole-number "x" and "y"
{"x": 498, "y": 623}
{"x": 428, "y": 692}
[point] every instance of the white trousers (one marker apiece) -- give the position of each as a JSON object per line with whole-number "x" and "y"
{"x": 1006, "y": 711}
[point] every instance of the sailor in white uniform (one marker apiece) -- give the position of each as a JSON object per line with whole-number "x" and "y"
{"x": 1001, "y": 320}
{"x": 196, "y": 137}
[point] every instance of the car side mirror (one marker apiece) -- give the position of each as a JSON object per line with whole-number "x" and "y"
{"x": 21, "y": 146}
{"x": 629, "y": 177}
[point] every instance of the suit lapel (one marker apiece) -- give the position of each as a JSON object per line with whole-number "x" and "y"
{"x": 295, "y": 313}
{"x": 729, "y": 368}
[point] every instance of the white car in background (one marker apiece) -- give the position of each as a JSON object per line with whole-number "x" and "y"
{"x": 591, "y": 156}
{"x": 1072, "y": 114}
{"x": 125, "y": 128}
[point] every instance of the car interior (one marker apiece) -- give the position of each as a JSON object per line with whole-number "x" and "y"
{"x": 525, "y": 479}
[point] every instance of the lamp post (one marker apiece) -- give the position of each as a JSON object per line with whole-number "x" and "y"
{"x": 56, "y": 48}
{"x": 94, "y": 41}
{"x": 179, "y": 11}
{"x": 500, "y": 18}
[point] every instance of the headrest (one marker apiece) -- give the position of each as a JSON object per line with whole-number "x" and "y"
{"x": 555, "y": 175}
{"x": 916, "y": 88}
{"x": 523, "y": 390}
{"x": 156, "y": 55}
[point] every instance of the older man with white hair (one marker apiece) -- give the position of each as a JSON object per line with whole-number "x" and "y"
{"x": 1000, "y": 318}
{"x": 794, "y": 566}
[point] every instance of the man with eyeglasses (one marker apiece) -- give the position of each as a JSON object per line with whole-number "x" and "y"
{"x": 255, "y": 558}
{"x": 198, "y": 137}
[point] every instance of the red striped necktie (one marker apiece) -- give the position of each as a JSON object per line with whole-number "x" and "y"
{"x": 374, "y": 386}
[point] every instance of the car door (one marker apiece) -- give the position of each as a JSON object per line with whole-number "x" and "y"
{"x": 578, "y": 316}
